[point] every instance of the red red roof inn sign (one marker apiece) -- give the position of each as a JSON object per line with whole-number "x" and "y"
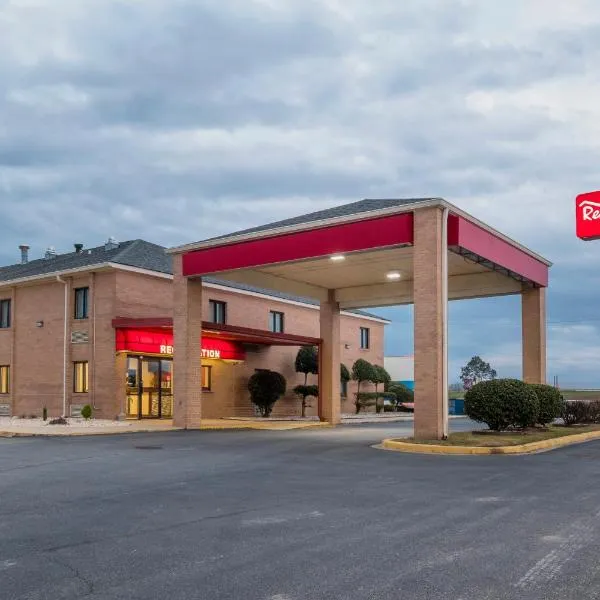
{"x": 587, "y": 207}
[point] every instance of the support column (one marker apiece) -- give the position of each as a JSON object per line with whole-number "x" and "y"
{"x": 187, "y": 333}
{"x": 431, "y": 418}
{"x": 533, "y": 307}
{"x": 329, "y": 362}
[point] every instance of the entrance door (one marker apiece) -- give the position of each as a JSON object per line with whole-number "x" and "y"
{"x": 149, "y": 388}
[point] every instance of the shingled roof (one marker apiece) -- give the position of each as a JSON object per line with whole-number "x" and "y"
{"x": 344, "y": 210}
{"x": 134, "y": 253}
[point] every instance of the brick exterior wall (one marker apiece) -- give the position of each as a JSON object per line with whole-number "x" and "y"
{"x": 35, "y": 354}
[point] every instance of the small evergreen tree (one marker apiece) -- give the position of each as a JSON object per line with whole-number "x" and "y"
{"x": 380, "y": 375}
{"x": 307, "y": 361}
{"x": 306, "y": 391}
{"x": 362, "y": 371}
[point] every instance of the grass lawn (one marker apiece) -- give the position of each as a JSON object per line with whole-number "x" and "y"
{"x": 491, "y": 440}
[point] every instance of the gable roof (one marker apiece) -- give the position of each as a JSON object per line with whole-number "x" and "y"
{"x": 139, "y": 254}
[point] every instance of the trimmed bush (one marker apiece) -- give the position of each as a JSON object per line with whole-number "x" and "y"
{"x": 502, "y": 403}
{"x": 266, "y": 387}
{"x": 304, "y": 391}
{"x": 402, "y": 393}
{"x": 551, "y": 403}
{"x": 371, "y": 398}
{"x": 86, "y": 412}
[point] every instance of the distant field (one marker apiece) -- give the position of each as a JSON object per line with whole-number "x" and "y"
{"x": 581, "y": 394}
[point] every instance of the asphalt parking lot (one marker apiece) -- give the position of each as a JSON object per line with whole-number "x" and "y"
{"x": 307, "y": 514}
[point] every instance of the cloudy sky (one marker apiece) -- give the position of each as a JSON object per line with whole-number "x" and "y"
{"x": 175, "y": 120}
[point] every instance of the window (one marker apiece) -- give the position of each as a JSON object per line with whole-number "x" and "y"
{"x": 4, "y": 379}
{"x": 218, "y": 311}
{"x": 80, "y": 377}
{"x": 276, "y": 321}
{"x": 364, "y": 338}
{"x": 4, "y": 314}
{"x": 344, "y": 388}
{"x": 206, "y": 378}
{"x": 81, "y": 302}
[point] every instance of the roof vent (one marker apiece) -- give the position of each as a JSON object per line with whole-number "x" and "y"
{"x": 24, "y": 248}
{"x": 50, "y": 253}
{"x": 78, "y": 248}
{"x": 111, "y": 244}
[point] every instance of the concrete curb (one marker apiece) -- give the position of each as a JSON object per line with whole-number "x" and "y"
{"x": 532, "y": 447}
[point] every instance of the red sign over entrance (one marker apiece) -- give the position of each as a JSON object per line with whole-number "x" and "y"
{"x": 587, "y": 207}
{"x": 160, "y": 341}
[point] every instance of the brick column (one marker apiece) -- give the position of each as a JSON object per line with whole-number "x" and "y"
{"x": 533, "y": 306}
{"x": 430, "y": 417}
{"x": 329, "y": 361}
{"x": 187, "y": 333}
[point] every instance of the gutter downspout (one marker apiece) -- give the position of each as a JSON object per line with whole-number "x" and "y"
{"x": 65, "y": 346}
{"x": 445, "y": 407}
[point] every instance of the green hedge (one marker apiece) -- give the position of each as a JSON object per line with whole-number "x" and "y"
{"x": 502, "y": 403}
{"x": 552, "y": 403}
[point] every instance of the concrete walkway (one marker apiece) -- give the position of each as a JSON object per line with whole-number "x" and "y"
{"x": 13, "y": 427}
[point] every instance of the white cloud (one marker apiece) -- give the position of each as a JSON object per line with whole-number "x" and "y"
{"x": 218, "y": 116}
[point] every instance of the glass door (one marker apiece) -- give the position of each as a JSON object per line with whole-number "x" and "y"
{"x": 149, "y": 388}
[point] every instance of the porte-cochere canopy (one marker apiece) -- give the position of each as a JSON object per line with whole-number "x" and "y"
{"x": 377, "y": 253}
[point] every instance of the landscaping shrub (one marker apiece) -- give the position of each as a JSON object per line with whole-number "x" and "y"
{"x": 362, "y": 371}
{"x": 371, "y": 398}
{"x": 86, "y": 412}
{"x": 502, "y": 403}
{"x": 551, "y": 403}
{"x": 578, "y": 412}
{"x": 305, "y": 391}
{"x": 402, "y": 393}
{"x": 265, "y": 388}
{"x": 45, "y": 414}
{"x": 58, "y": 421}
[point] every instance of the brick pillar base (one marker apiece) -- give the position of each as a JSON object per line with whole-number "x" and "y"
{"x": 430, "y": 417}
{"x": 187, "y": 333}
{"x": 329, "y": 362}
{"x": 533, "y": 306}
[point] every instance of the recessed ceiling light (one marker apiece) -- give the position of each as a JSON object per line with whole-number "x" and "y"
{"x": 337, "y": 257}
{"x": 393, "y": 275}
